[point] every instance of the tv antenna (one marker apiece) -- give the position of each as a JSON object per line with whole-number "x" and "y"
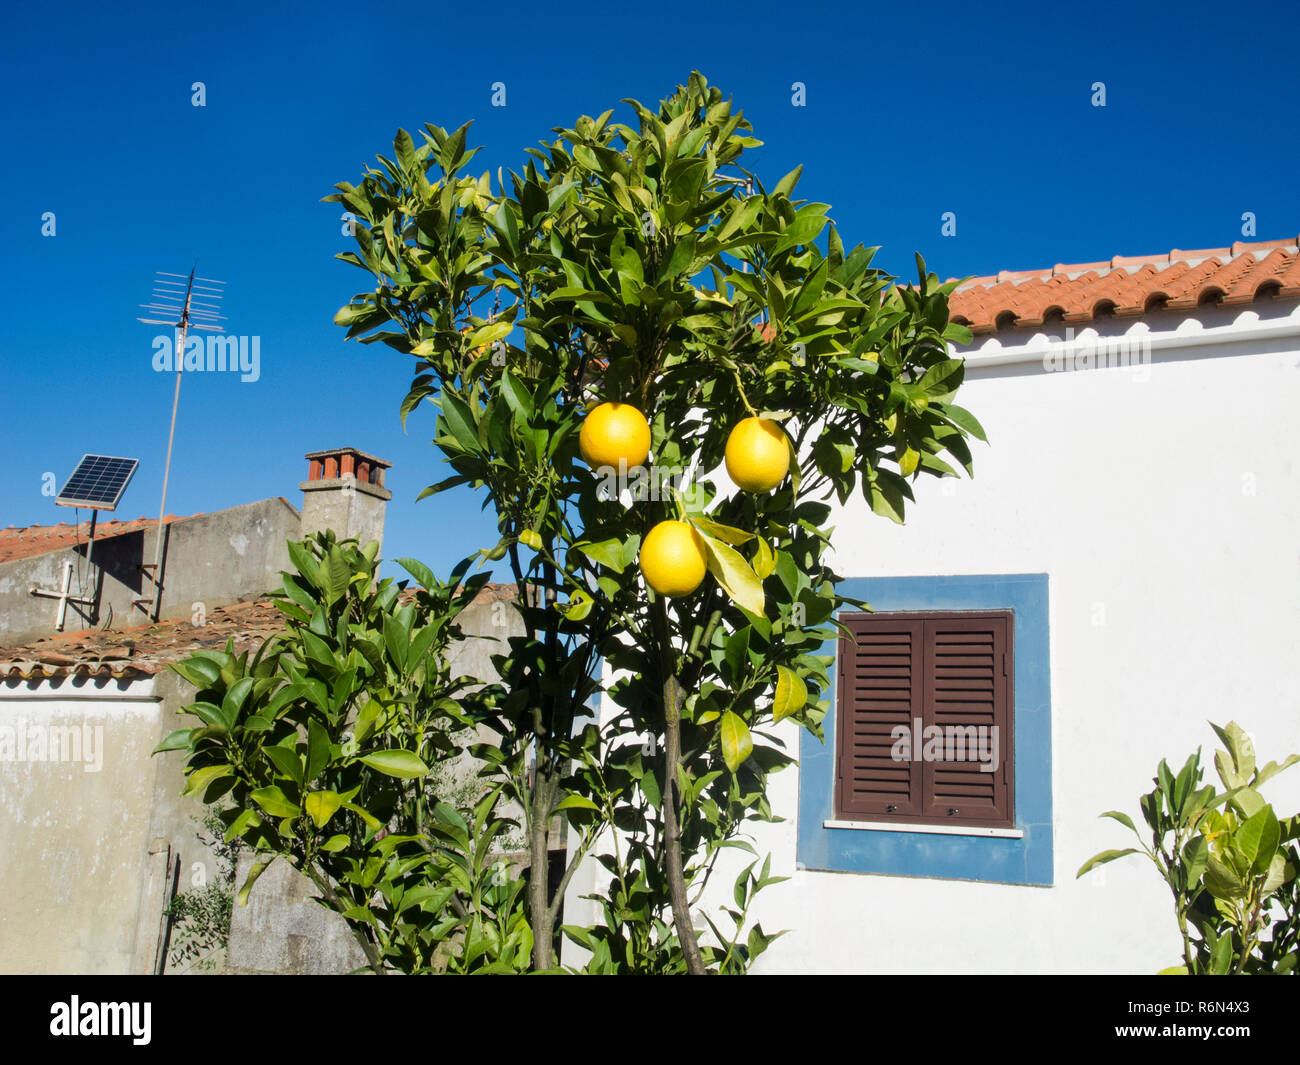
{"x": 187, "y": 302}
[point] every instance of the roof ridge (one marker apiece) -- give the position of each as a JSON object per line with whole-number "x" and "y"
{"x": 1129, "y": 286}
{"x": 1169, "y": 258}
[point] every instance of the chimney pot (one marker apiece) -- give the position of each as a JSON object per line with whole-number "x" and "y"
{"x": 351, "y": 508}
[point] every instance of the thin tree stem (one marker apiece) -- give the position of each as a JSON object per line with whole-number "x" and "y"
{"x": 672, "y": 699}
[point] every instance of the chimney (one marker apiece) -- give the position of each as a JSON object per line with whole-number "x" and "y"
{"x": 344, "y": 491}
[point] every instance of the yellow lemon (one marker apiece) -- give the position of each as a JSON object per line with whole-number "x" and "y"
{"x": 758, "y": 457}
{"x": 672, "y": 558}
{"x": 614, "y": 432}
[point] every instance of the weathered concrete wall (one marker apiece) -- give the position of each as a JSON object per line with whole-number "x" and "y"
{"x": 85, "y": 846}
{"x": 74, "y": 834}
{"x": 214, "y": 559}
{"x": 175, "y": 821}
{"x": 346, "y": 505}
{"x": 283, "y": 929}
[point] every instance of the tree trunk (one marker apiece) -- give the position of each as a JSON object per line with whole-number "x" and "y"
{"x": 672, "y": 829}
{"x": 540, "y": 915}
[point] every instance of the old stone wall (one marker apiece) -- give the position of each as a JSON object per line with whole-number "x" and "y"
{"x": 213, "y": 559}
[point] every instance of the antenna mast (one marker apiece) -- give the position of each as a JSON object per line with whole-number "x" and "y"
{"x": 196, "y": 307}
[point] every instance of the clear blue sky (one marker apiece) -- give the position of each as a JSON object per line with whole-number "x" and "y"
{"x": 912, "y": 110}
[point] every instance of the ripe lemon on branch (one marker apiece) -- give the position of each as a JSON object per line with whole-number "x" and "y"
{"x": 672, "y": 558}
{"x": 758, "y": 456}
{"x": 614, "y": 432}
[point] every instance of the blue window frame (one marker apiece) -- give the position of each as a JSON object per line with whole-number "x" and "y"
{"x": 1024, "y": 857}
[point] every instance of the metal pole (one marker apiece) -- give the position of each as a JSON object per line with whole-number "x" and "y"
{"x": 90, "y": 570}
{"x": 171, "y": 435}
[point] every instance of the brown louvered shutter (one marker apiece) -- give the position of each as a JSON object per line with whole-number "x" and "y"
{"x": 879, "y": 681}
{"x": 967, "y": 693}
{"x": 947, "y": 670}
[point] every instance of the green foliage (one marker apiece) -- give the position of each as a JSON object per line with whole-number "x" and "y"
{"x": 1230, "y": 863}
{"x": 201, "y": 915}
{"x": 643, "y": 263}
{"x": 324, "y": 744}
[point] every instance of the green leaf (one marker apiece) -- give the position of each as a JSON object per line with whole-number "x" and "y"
{"x": 964, "y": 420}
{"x": 335, "y": 573}
{"x": 460, "y": 421}
{"x": 726, "y": 533}
{"x": 422, "y": 574}
{"x": 1196, "y": 854}
{"x": 253, "y": 874}
{"x": 318, "y": 750}
{"x": 370, "y": 819}
{"x": 486, "y": 334}
{"x": 1277, "y": 874}
{"x": 579, "y": 606}
{"x": 200, "y": 779}
{"x": 504, "y": 223}
{"x": 216, "y": 716}
{"x": 733, "y": 573}
{"x": 321, "y": 806}
{"x": 275, "y": 802}
{"x": 942, "y": 378}
{"x": 175, "y": 741}
{"x": 248, "y": 818}
{"x": 737, "y": 744}
{"x": 786, "y": 185}
{"x": 1274, "y": 768}
{"x": 517, "y": 396}
{"x": 575, "y": 802}
{"x": 403, "y": 764}
{"x": 1222, "y": 882}
{"x": 1242, "y": 752}
{"x": 1122, "y": 818}
{"x": 1247, "y": 801}
{"x": 791, "y": 694}
{"x": 1103, "y": 858}
{"x": 606, "y": 552}
{"x": 1221, "y": 958}
{"x": 301, "y": 557}
{"x": 887, "y": 492}
{"x": 1257, "y": 837}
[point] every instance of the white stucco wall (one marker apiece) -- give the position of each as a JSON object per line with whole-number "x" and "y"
{"x": 74, "y": 834}
{"x": 1164, "y": 504}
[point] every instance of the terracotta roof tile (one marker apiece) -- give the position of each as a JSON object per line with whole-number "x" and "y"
{"x": 25, "y": 542}
{"x": 1130, "y": 285}
{"x": 145, "y": 650}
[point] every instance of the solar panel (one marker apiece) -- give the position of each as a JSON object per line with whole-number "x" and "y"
{"x": 98, "y": 482}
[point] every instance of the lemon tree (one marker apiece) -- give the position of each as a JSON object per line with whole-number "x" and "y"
{"x": 637, "y": 265}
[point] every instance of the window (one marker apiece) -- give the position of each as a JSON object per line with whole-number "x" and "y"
{"x": 925, "y": 719}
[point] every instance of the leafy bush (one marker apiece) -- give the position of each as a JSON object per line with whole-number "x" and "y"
{"x": 324, "y": 744}
{"x": 1229, "y": 861}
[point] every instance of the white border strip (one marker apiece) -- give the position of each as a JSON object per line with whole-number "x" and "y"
{"x": 935, "y": 830}
{"x": 1033, "y": 349}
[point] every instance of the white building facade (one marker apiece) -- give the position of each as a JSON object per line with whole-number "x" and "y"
{"x": 1138, "y": 516}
